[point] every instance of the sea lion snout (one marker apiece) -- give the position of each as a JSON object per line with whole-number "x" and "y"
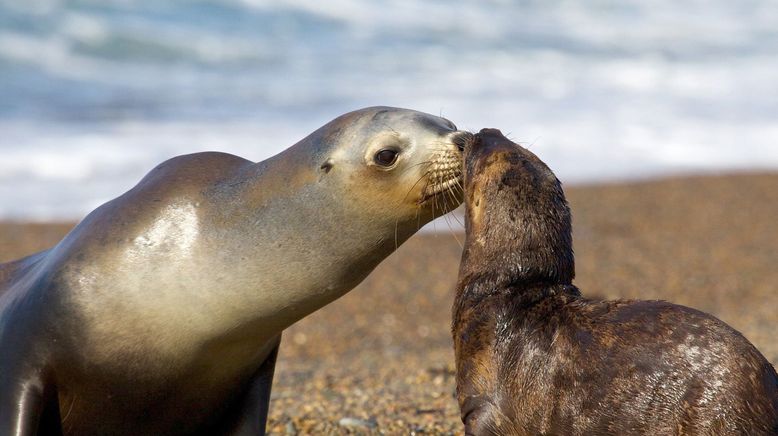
{"x": 491, "y": 156}
{"x": 491, "y": 153}
{"x": 490, "y": 131}
{"x": 493, "y": 139}
{"x": 494, "y": 146}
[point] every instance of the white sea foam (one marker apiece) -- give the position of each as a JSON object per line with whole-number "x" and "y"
{"x": 64, "y": 174}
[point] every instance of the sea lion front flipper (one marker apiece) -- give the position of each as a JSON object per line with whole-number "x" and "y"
{"x": 250, "y": 415}
{"x": 476, "y": 414}
{"x": 28, "y": 405}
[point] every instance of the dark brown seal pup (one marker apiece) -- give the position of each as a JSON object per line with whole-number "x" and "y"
{"x": 534, "y": 357}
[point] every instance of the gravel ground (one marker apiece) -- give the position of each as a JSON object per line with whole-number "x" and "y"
{"x": 380, "y": 360}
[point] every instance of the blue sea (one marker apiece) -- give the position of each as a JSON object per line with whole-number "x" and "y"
{"x": 94, "y": 93}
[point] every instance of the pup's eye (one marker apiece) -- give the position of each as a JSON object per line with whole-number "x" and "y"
{"x": 386, "y": 157}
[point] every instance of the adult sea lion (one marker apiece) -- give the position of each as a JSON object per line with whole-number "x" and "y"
{"x": 534, "y": 357}
{"x": 162, "y": 311}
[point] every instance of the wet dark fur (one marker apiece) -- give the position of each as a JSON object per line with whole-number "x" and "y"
{"x": 534, "y": 357}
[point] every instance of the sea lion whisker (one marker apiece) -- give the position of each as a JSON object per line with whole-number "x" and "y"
{"x": 396, "y": 236}
{"x": 434, "y": 203}
{"x": 423, "y": 176}
{"x": 457, "y": 186}
{"x": 70, "y": 409}
{"x": 453, "y": 194}
{"x": 451, "y": 230}
{"x": 418, "y": 218}
{"x": 414, "y": 166}
{"x": 418, "y": 207}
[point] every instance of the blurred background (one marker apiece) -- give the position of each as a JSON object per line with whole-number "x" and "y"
{"x": 94, "y": 93}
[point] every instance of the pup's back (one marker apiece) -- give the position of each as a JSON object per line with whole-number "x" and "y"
{"x": 565, "y": 365}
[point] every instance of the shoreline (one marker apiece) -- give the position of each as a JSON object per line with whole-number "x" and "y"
{"x": 568, "y": 183}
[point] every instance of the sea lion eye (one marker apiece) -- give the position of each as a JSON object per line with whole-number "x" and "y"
{"x": 386, "y": 157}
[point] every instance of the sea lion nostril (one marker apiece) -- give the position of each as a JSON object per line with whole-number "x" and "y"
{"x": 462, "y": 140}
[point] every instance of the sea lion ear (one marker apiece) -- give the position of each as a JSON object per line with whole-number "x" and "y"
{"x": 327, "y": 165}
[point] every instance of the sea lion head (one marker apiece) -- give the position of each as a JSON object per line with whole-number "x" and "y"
{"x": 518, "y": 223}
{"x": 396, "y": 164}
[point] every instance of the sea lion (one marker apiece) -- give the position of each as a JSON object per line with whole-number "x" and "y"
{"x": 162, "y": 311}
{"x": 535, "y": 357}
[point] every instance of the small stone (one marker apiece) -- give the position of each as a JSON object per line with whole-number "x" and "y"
{"x": 356, "y": 422}
{"x": 290, "y": 429}
{"x": 300, "y": 338}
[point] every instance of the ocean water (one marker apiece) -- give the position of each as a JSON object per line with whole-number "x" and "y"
{"x": 94, "y": 93}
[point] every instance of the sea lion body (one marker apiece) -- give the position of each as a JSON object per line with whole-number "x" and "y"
{"x": 161, "y": 312}
{"x": 534, "y": 357}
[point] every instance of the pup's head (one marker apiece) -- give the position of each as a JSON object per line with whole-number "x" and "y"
{"x": 518, "y": 224}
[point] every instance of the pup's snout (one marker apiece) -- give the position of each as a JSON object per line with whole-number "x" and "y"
{"x": 491, "y": 132}
{"x": 488, "y": 137}
{"x": 489, "y": 141}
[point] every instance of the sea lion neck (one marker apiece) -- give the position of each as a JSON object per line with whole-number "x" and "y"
{"x": 518, "y": 224}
